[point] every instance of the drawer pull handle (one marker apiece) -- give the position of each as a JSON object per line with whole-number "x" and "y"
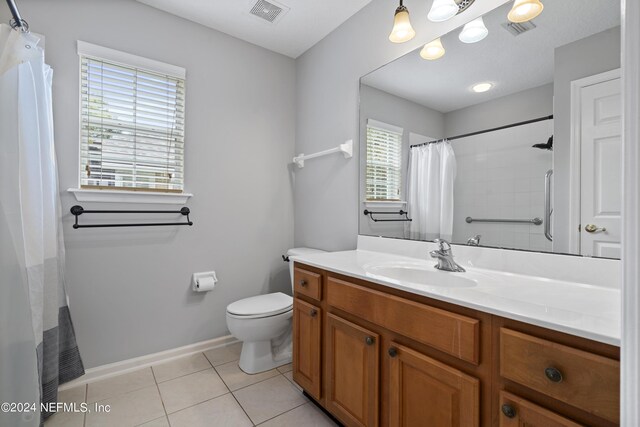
{"x": 553, "y": 374}
{"x": 303, "y": 283}
{"x": 393, "y": 352}
{"x": 508, "y": 411}
{"x": 313, "y": 312}
{"x": 369, "y": 340}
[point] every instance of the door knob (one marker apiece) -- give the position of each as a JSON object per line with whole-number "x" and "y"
{"x": 508, "y": 411}
{"x": 592, "y": 228}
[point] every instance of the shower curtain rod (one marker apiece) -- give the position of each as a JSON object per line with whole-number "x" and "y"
{"x": 526, "y": 122}
{"x": 18, "y": 21}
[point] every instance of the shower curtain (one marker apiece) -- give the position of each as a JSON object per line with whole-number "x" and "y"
{"x": 431, "y": 175}
{"x": 38, "y": 348}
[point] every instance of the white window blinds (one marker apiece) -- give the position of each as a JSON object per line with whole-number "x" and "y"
{"x": 384, "y": 161}
{"x": 132, "y": 125}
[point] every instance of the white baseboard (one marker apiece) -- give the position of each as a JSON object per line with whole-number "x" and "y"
{"x": 124, "y": 366}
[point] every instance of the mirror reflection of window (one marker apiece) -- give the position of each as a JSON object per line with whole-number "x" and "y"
{"x": 384, "y": 161}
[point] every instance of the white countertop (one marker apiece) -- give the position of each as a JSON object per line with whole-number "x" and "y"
{"x": 580, "y": 309}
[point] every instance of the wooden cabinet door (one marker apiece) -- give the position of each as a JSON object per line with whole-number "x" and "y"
{"x": 307, "y": 349}
{"x": 425, "y": 392}
{"x": 352, "y": 355}
{"x": 517, "y": 412}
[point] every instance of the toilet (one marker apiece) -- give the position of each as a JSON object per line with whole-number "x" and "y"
{"x": 263, "y": 324}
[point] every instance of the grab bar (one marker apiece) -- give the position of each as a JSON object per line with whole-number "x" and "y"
{"x": 535, "y": 221}
{"x": 547, "y": 205}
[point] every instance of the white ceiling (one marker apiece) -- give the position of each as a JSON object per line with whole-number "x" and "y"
{"x": 512, "y": 64}
{"x": 305, "y": 24}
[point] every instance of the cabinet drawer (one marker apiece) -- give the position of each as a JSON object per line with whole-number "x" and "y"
{"x": 448, "y": 332}
{"x": 581, "y": 379}
{"x": 307, "y": 283}
{"x": 516, "y": 412}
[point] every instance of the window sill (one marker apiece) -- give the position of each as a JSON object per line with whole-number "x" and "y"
{"x": 396, "y": 204}
{"x": 116, "y": 196}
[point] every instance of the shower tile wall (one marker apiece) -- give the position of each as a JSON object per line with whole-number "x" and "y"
{"x": 499, "y": 175}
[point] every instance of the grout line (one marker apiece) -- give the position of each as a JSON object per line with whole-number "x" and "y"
{"x": 245, "y": 386}
{"x": 164, "y": 408}
{"x": 196, "y": 404}
{"x": 242, "y": 407}
{"x": 285, "y": 412}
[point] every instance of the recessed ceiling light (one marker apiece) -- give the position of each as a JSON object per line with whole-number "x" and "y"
{"x": 482, "y": 87}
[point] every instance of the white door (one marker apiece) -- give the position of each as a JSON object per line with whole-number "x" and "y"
{"x": 601, "y": 167}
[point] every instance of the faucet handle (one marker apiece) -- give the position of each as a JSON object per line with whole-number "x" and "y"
{"x": 443, "y": 244}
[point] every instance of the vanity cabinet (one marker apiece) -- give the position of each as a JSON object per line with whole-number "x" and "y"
{"x": 376, "y": 356}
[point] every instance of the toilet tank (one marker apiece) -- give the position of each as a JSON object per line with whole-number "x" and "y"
{"x": 299, "y": 251}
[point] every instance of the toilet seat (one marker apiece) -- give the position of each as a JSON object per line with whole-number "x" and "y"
{"x": 261, "y": 306}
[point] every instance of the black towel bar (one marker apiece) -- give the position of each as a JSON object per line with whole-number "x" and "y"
{"x": 400, "y": 212}
{"x": 79, "y": 210}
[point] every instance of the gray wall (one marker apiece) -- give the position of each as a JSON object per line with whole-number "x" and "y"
{"x": 327, "y": 77}
{"x": 411, "y": 117}
{"x": 526, "y": 105}
{"x": 129, "y": 288}
{"x": 591, "y": 55}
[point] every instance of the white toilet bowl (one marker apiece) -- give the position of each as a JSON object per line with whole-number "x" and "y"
{"x": 263, "y": 324}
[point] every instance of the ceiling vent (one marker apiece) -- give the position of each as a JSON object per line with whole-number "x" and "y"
{"x": 518, "y": 28}
{"x": 270, "y": 11}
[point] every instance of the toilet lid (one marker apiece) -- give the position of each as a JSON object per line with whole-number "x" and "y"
{"x": 267, "y": 305}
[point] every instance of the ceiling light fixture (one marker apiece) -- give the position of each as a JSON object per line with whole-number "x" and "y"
{"x": 432, "y": 50}
{"x": 525, "y": 10}
{"x": 482, "y": 87}
{"x": 402, "y": 30}
{"x": 441, "y": 10}
{"x": 473, "y": 31}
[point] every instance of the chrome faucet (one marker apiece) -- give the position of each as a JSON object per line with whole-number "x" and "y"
{"x": 445, "y": 257}
{"x": 474, "y": 241}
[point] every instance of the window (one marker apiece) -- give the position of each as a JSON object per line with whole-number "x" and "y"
{"x": 131, "y": 122}
{"x": 384, "y": 161}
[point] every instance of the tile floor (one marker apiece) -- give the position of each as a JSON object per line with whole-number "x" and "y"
{"x": 204, "y": 389}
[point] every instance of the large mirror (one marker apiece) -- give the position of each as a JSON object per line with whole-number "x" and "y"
{"x": 513, "y": 141}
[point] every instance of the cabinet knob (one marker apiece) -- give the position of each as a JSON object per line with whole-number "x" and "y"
{"x": 303, "y": 283}
{"x": 553, "y": 374}
{"x": 369, "y": 340}
{"x": 393, "y": 352}
{"x": 313, "y": 312}
{"x": 508, "y": 411}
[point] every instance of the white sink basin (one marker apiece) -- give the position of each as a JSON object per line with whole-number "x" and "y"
{"x": 419, "y": 273}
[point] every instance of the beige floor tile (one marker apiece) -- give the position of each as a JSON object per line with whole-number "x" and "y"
{"x": 285, "y": 368}
{"x": 71, "y": 419}
{"x": 160, "y": 422}
{"x": 269, "y": 398}
{"x": 128, "y": 409}
{"x": 65, "y": 419}
{"x": 226, "y": 354}
{"x": 179, "y": 367}
{"x": 121, "y": 384}
{"x": 306, "y": 415}
{"x": 190, "y": 389}
{"x": 222, "y": 411}
{"x": 289, "y": 376}
{"x": 235, "y": 379}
